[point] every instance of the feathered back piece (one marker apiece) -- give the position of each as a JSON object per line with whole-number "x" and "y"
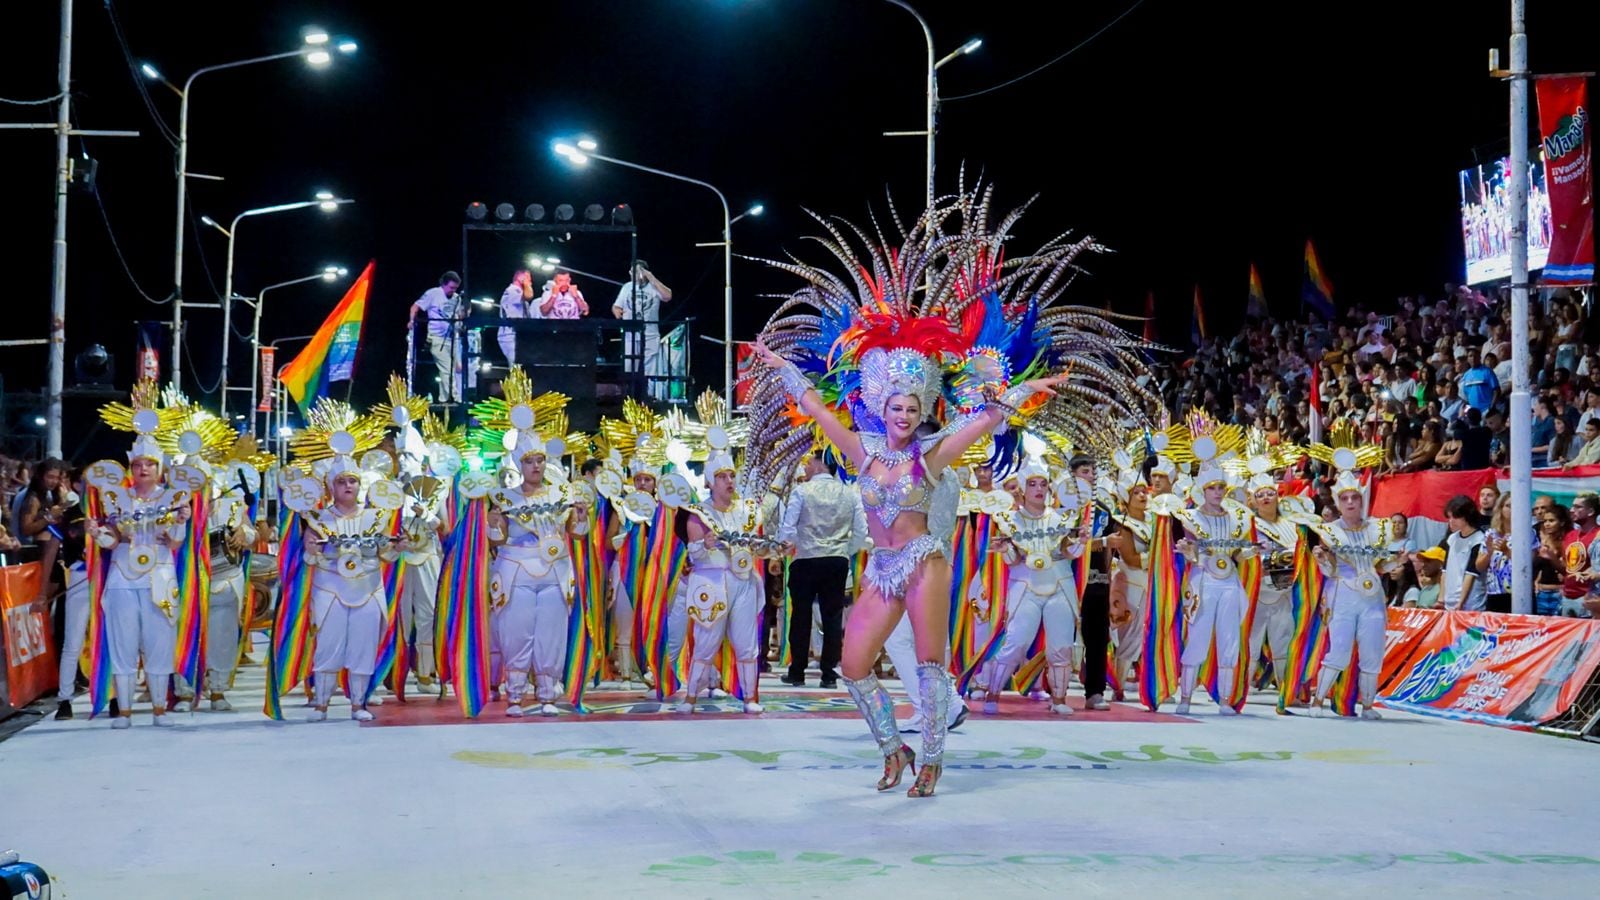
{"x": 946, "y": 316}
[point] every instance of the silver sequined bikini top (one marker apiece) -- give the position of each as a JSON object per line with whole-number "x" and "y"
{"x": 888, "y": 501}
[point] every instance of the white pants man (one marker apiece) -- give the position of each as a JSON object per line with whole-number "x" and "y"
{"x": 902, "y": 649}
{"x": 530, "y": 631}
{"x": 721, "y": 606}
{"x": 346, "y": 638}
{"x": 1358, "y": 621}
{"x": 76, "y": 631}
{"x": 447, "y": 362}
{"x": 419, "y": 593}
{"x": 1274, "y": 626}
{"x": 137, "y": 626}
{"x": 1026, "y": 610}
{"x": 1219, "y": 612}
{"x": 222, "y": 630}
{"x": 1132, "y": 589}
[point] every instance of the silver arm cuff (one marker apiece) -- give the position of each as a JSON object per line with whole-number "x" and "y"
{"x": 795, "y": 383}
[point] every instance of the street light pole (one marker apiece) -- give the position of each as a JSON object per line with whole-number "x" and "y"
{"x": 327, "y": 204}
{"x": 1521, "y": 436}
{"x": 931, "y": 114}
{"x": 579, "y": 156}
{"x": 58, "y": 272}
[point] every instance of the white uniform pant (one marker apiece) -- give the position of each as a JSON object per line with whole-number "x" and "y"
{"x": 1221, "y": 611}
{"x": 507, "y": 338}
{"x": 222, "y": 630}
{"x": 1358, "y": 621}
{"x": 419, "y": 594}
{"x": 1026, "y": 611}
{"x": 347, "y": 636}
{"x": 1130, "y": 634}
{"x": 902, "y": 649}
{"x": 678, "y": 621}
{"x": 655, "y": 363}
{"x": 134, "y": 627}
{"x": 447, "y": 362}
{"x": 1274, "y": 624}
{"x": 530, "y": 632}
{"x": 740, "y": 624}
{"x": 77, "y": 630}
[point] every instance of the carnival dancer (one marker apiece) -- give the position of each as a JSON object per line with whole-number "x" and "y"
{"x": 532, "y": 588}
{"x": 1130, "y": 577}
{"x": 1354, "y": 553}
{"x": 235, "y": 486}
{"x": 144, "y": 604}
{"x": 1278, "y": 523}
{"x": 879, "y": 351}
{"x": 723, "y": 584}
{"x": 1039, "y": 543}
{"x": 351, "y": 546}
{"x": 1216, "y": 542}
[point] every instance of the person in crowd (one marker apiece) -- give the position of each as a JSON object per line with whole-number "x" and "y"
{"x": 516, "y": 302}
{"x": 563, "y": 300}
{"x": 444, "y": 308}
{"x": 1463, "y": 588}
{"x": 1548, "y": 568}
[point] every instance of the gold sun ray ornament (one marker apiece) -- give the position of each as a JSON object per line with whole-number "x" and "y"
{"x": 1344, "y": 449}
{"x": 242, "y": 449}
{"x": 1199, "y": 438}
{"x": 146, "y": 395}
{"x": 402, "y": 407}
{"x": 435, "y": 431}
{"x": 1258, "y": 457}
{"x": 638, "y": 433}
{"x": 517, "y": 409}
{"x": 330, "y": 417}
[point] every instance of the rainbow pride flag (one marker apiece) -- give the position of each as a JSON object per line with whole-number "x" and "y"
{"x": 393, "y": 660}
{"x": 658, "y": 580}
{"x": 1316, "y": 291}
{"x": 1159, "y": 667}
{"x": 331, "y": 355}
{"x": 1256, "y": 303}
{"x": 989, "y": 570}
{"x": 586, "y": 617}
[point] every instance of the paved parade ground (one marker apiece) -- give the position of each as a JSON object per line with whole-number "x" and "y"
{"x": 629, "y": 802}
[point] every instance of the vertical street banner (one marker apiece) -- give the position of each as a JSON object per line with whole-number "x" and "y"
{"x": 744, "y": 355}
{"x": 147, "y": 352}
{"x": 269, "y": 375}
{"x": 1569, "y": 181}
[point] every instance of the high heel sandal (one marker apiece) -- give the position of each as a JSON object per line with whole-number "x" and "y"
{"x": 926, "y": 779}
{"x": 894, "y": 765}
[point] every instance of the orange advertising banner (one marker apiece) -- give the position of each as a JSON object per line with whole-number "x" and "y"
{"x": 30, "y": 651}
{"x": 1406, "y": 631}
{"x": 1489, "y": 667}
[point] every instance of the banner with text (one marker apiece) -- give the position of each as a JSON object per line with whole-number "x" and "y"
{"x": 30, "y": 650}
{"x": 269, "y": 378}
{"x": 1564, "y": 124}
{"x": 1490, "y": 667}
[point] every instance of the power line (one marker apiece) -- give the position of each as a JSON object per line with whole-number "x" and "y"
{"x": 106, "y": 218}
{"x": 1074, "y": 49}
{"x": 167, "y": 134}
{"x": 31, "y": 102}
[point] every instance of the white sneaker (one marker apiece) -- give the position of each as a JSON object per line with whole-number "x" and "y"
{"x": 719, "y": 694}
{"x": 1226, "y": 710}
{"x": 221, "y": 704}
{"x": 991, "y": 707}
{"x": 317, "y": 715}
{"x": 1370, "y": 713}
{"x": 752, "y": 707}
{"x": 515, "y": 710}
{"x": 1098, "y": 701}
{"x": 1183, "y": 708}
{"x": 684, "y": 707}
{"x": 360, "y": 714}
{"x": 913, "y": 725}
{"x": 375, "y": 700}
{"x": 122, "y": 721}
{"x": 549, "y": 709}
{"x": 1061, "y": 709}
{"x": 163, "y": 721}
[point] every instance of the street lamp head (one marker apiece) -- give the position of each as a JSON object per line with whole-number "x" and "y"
{"x": 971, "y": 45}
{"x": 570, "y": 152}
{"x": 552, "y": 260}
{"x": 318, "y": 58}
{"x": 150, "y": 72}
{"x": 588, "y": 144}
{"x": 328, "y": 205}
{"x": 324, "y": 195}
{"x": 315, "y": 37}
{"x": 207, "y": 220}
{"x": 756, "y": 210}
{"x": 347, "y": 47}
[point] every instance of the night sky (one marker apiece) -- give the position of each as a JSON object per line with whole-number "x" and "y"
{"x": 1193, "y": 138}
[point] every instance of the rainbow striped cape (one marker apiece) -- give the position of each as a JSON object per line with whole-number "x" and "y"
{"x": 193, "y": 563}
{"x": 1309, "y": 641}
{"x": 393, "y": 660}
{"x": 653, "y": 575}
{"x": 289, "y": 662}
{"x": 461, "y": 625}
{"x": 587, "y": 616}
{"x": 97, "y": 649}
{"x": 976, "y": 565}
{"x": 1159, "y": 667}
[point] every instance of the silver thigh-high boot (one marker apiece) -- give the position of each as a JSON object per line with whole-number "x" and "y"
{"x": 933, "y": 684}
{"x": 878, "y": 710}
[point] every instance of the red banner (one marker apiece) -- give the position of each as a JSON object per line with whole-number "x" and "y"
{"x": 1494, "y": 668}
{"x": 269, "y": 375}
{"x": 744, "y": 355}
{"x": 1405, "y": 631}
{"x": 30, "y": 649}
{"x": 1564, "y": 123}
{"x": 1425, "y": 493}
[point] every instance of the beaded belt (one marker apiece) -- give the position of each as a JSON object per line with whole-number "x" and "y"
{"x": 890, "y": 570}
